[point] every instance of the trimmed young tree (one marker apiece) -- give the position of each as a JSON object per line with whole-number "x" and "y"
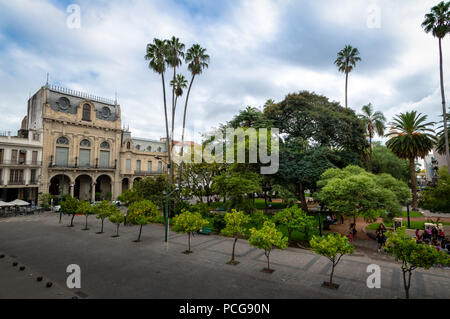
{"x": 103, "y": 211}
{"x": 188, "y": 222}
{"x": 267, "y": 238}
{"x": 333, "y": 246}
{"x": 86, "y": 209}
{"x": 294, "y": 218}
{"x": 70, "y": 207}
{"x": 412, "y": 255}
{"x": 116, "y": 218}
{"x": 437, "y": 199}
{"x": 235, "y": 226}
{"x": 142, "y": 213}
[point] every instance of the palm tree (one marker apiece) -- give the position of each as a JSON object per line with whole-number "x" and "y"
{"x": 178, "y": 86}
{"x": 438, "y": 23}
{"x": 410, "y": 138}
{"x": 345, "y": 62}
{"x": 197, "y": 60}
{"x": 440, "y": 147}
{"x": 157, "y": 54}
{"x": 174, "y": 54}
{"x": 375, "y": 122}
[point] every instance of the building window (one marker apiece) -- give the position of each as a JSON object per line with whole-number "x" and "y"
{"x": 128, "y": 165}
{"x": 33, "y": 177}
{"x": 138, "y": 147}
{"x": 16, "y": 176}
{"x": 128, "y": 145}
{"x": 149, "y": 166}
{"x": 13, "y": 156}
{"x": 34, "y": 158}
{"x": 1, "y": 156}
{"x": 36, "y": 137}
{"x": 138, "y": 166}
{"x": 159, "y": 149}
{"x": 62, "y": 140}
{"x": 86, "y": 112}
{"x": 149, "y": 148}
{"x": 159, "y": 167}
{"x": 105, "y": 145}
{"x": 85, "y": 143}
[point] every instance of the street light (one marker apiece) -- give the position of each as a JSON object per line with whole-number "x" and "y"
{"x": 407, "y": 211}
{"x": 167, "y": 195}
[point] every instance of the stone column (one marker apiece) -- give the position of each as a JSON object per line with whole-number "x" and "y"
{"x": 93, "y": 192}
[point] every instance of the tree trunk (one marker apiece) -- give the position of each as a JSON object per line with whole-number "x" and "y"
{"x": 101, "y": 231}
{"x": 412, "y": 170}
{"x": 173, "y": 119}
{"x": 234, "y": 245}
{"x": 370, "y": 154}
{"x": 407, "y": 282}
{"x": 167, "y": 126}
{"x": 444, "y": 108}
{"x": 86, "y": 226}
{"x": 139, "y": 237}
{"x": 117, "y": 230}
{"x": 184, "y": 126}
{"x": 189, "y": 242}
{"x": 268, "y": 260}
{"x": 302, "y": 197}
{"x": 71, "y": 220}
{"x": 346, "y": 87}
{"x": 331, "y": 275}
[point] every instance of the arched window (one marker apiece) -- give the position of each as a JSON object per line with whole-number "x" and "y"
{"x": 62, "y": 140}
{"x": 86, "y": 112}
{"x": 138, "y": 147}
{"x": 149, "y": 148}
{"x": 128, "y": 145}
{"x": 85, "y": 143}
{"x": 159, "y": 149}
{"x": 104, "y": 145}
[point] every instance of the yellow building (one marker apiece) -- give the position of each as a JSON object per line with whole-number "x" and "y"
{"x": 85, "y": 151}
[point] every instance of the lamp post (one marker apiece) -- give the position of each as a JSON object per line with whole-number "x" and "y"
{"x": 320, "y": 222}
{"x": 167, "y": 195}
{"x": 407, "y": 211}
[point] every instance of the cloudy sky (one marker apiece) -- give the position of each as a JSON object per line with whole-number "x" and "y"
{"x": 260, "y": 49}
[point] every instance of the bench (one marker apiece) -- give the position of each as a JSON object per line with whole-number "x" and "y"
{"x": 205, "y": 231}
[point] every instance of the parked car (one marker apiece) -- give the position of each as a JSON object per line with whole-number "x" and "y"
{"x": 57, "y": 208}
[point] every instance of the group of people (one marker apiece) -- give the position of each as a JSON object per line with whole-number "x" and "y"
{"x": 433, "y": 236}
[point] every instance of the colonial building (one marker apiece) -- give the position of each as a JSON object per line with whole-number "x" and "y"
{"x": 20, "y": 165}
{"x": 85, "y": 151}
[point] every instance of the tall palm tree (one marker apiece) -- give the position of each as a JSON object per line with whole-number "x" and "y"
{"x": 438, "y": 23}
{"x": 345, "y": 62}
{"x": 178, "y": 86}
{"x": 411, "y": 137}
{"x": 156, "y": 54}
{"x": 197, "y": 61}
{"x": 175, "y": 53}
{"x": 440, "y": 147}
{"x": 375, "y": 122}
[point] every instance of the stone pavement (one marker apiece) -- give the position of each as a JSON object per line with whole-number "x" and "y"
{"x": 119, "y": 268}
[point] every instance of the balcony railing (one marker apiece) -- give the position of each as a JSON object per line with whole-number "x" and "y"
{"x": 16, "y": 182}
{"x": 147, "y": 173}
{"x": 78, "y": 166}
{"x": 20, "y": 163}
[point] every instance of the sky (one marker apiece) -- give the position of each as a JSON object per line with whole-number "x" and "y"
{"x": 259, "y": 49}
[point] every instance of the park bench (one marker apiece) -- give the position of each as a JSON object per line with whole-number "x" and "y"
{"x": 205, "y": 231}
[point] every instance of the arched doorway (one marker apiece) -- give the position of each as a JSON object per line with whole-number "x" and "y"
{"x": 59, "y": 186}
{"x": 137, "y": 179}
{"x": 83, "y": 188}
{"x": 125, "y": 185}
{"x": 103, "y": 188}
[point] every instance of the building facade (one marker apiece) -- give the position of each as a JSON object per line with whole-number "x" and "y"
{"x": 85, "y": 151}
{"x": 20, "y": 165}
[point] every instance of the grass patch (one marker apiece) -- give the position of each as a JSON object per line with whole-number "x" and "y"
{"x": 411, "y": 214}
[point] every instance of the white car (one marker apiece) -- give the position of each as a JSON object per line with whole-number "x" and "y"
{"x": 57, "y": 208}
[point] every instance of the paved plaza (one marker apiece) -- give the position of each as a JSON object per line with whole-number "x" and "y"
{"x": 120, "y": 268}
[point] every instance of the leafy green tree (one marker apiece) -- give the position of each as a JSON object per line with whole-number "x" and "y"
{"x": 285, "y": 195}
{"x": 294, "y": 218}
{"x": 346, "y": 61}
{"x": 70, "y": 206}
{"x": 334, "y": 247}
{"x": 197, "y": 179}
{"x": 45, "y": 200}
{"x": 235, "y": 227}
{"x": 103, "y": 210}
{"x": 129, "y": 196}
{"x": 384, "y": 161}
{"x": 86, "y": 209}
{"x": 437, "y": 199}
{"x": 267, "y": 238}
{"x": 375, "y": 122}
{"x": 355, "y": 192}
{"x": 116, "y": 218}
{"x": 438, "y": 23}
{"x": 142, "y": 213}
{"x": 188, "y": 222}
{"x": 197, "y": 61}
{"x": 411, "y": 137}
{"x": 412, "y": 255}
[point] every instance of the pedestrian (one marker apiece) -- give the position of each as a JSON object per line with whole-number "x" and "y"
{"x": 125, "y": 218}
{"x": 342, "y": 219}
{"x": 380, "y": 240}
